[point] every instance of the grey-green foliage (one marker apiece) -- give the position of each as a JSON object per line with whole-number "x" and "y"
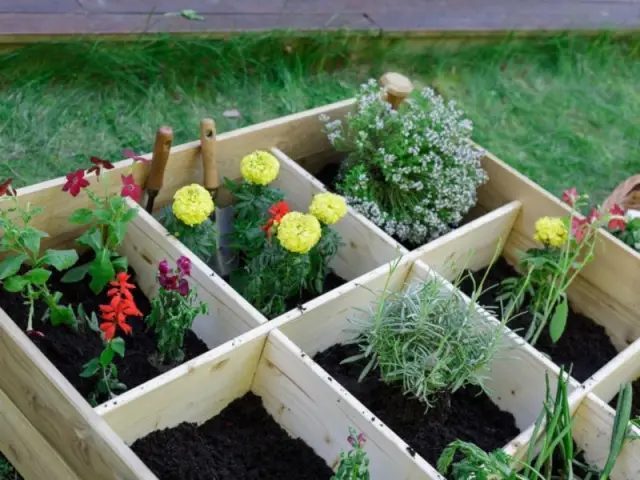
{"x": 428, "y": 338}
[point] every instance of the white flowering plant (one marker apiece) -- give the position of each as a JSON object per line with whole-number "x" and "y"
{"x": 412, "y": 171}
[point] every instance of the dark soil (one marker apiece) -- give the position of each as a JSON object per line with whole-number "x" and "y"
{"x": 557, "y": 470}
{"x": 243, "y": 442}
{"x": 584, "y": 344}
{"x": 468, "y": 415}
{"x": 69, "y": 349}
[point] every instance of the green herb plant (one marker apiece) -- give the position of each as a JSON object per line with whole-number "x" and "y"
{"x": 428, "y": 338}
{"x": 554, "y": 452}
{"x": 354, "y": 464}
{"x": 23, "y": 242}
{"x": 102, "y": 367}
{"x": 173, "y": 310}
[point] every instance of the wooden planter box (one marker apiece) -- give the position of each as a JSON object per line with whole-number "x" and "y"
{"x": 47, "y": 430}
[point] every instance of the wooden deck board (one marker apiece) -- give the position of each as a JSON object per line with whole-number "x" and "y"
{"x": 34, "y": 19}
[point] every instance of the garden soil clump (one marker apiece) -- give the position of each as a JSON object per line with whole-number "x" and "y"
{"x": 69, "y": 350}
{"x": 468, "y": 414}
{"x": 242, "y": 441}
{"x": 584, "y": 345}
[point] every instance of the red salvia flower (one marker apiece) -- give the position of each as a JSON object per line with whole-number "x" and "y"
{"x": 121, "y": 286}
{"x": 134, "y": 157}
{"x": 618, "y": 222}
{"x": 570, "y": 196}
{"x": 75, "y": 183}
{"x": 277, "y": 211}
{"x": 130, "y": 188}
{"x": 98, "y": 165}
{"x": 5, "y": 188}
{"x": 115, "y": 315}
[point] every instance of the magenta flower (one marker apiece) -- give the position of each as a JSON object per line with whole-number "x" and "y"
{"x": 184, "y": 264}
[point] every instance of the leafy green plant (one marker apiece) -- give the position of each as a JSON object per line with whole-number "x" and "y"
{"x": 102, "y": 367}
{"x": 631, "y": 234}
{"x": 7, "y": 472}
{"x": 427, "y": 337}
{"x": 354, "y": 464}
{"x": 23, "y": 241}
{"x": 413, "y": 171}
{"x": 174, "y": 309}
{"x": 107, "y": 223}
{"x": 568, "y": 246}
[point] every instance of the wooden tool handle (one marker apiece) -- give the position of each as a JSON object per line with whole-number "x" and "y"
{"x": 208, "y": 148}
{"x": 398, "y": 88}
{"x": 160, "y": 157}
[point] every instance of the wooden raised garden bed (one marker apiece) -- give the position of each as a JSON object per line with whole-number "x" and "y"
{"x": 262, "y": 397}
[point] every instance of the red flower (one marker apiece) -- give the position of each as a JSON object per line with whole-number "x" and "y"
{"x": 579, "y": 228}
{"x": 134, "y": 157}
{"x": 5, "y": 188}
{"x": 36, "y": 333}
{"x": 570, "y": 196}
{"x": 98, "y": 165}
{"x": 593, "y": 216}
{"x": 173, "y": 279}
{"x": 277, "y": 211}
{"x": 115, "y": 316}
{"x": 618, "y": 222}
{"x": 75, "y": 183}
{"x": 130, "y": 188}
{"x": 121, "y": 286}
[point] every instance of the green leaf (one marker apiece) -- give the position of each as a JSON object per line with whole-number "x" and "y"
{"x": 31, "y": 239}
{"x": 106, "y": 357}
{"x": 121, "y": 264}
{"x": 116, "y": 203}
{"x": 59, "y": 259}
{"x": 559, "y": 320}
{"x": 75, "y": 274}
{"x": 91, "y": 238}
{"x": 93, "y": 322}
{"x": 38, "y": 276}
{"x": 82, "y": 216}
{"x": 90, "y": 368}
{"x": 11, "y": 265}
{"x": 15, "y": 284}
{"x": 101, "y": 271}
{"x": 63, "y": 316}
{"x": 130, "y": 215}
{"x": 117, "y": 231}
{"x": 117, "y": 345}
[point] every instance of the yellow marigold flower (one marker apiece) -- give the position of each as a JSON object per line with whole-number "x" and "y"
{"x": 327, "y": 207}
{"x": 551, "y": 231}
{"x": 299, "y": 232}
{"x": 260, "y": 168}
{"x": 192, "y": 204}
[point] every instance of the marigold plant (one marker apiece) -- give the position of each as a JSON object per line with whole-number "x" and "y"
{"x": 260, "y": 168}
{"x": 188, "y": 219}
{"x": 413, "y": 172}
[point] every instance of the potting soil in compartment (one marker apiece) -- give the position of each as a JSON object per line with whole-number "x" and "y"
{"x": 69, "y": 349}
{"x": 468, "y": 414}
{"x": 584, "y": 345}
{"x": 242, "y": 442}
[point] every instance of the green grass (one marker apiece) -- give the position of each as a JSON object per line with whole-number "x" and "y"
{"x": 6, "y": 470}
{"x": 563, "y": 111}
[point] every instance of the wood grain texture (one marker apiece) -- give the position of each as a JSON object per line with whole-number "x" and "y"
{"x": 58, "y": 412}
{"x": 30, "y": 454}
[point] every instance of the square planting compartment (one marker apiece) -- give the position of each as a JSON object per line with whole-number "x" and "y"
{"x": 259, "y": 409}
{"x": 515, "y": 382}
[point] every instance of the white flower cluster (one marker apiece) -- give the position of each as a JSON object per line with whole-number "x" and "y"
{"x": 412, "y": 172}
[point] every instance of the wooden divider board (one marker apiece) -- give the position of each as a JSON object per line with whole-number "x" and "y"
{"x": 26, "y": 449}
{"x": 57, "y": 411}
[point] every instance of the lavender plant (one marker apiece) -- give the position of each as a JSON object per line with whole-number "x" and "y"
{"x": 412, "y": 171}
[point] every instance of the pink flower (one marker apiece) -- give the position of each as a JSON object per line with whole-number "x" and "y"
{"x": 35, "y": 333}
{"x": 570, "y": 196}
{"x": 617, "y": 222}
{"x": 184, "y": 264}
{"x": 133, "y": 156}
{"x": 579, "y": 228}
{"x": 594, "y": 215}
{"x": 98, "y": 165}
{"x": 183, "y": 287}
{"x": 164, "y": 268}
{"x": 130, "y": 188}
{"x": 75, "y": 183}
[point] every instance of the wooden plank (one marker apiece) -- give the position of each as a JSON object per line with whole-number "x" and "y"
{"x": 471, "y": 246}
{"x": 56, "y": 410}
{"x": 298, "y": 134}
{"x": 302, "y": 398}
{"x": 365, "y": 248}
{"x": 192, "y": 392}
{"x": 30, "y": 454}
{"x": 148, "y": 243}
{"x": 592, "y": 433}
{"x": 606, "y": 290}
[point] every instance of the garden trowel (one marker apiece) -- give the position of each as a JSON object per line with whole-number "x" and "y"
{"x": 161, "y": 148}
{"x": 224, "y": 259}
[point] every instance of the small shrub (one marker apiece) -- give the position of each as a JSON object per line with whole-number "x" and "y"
{"x": 413, "y": 171}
